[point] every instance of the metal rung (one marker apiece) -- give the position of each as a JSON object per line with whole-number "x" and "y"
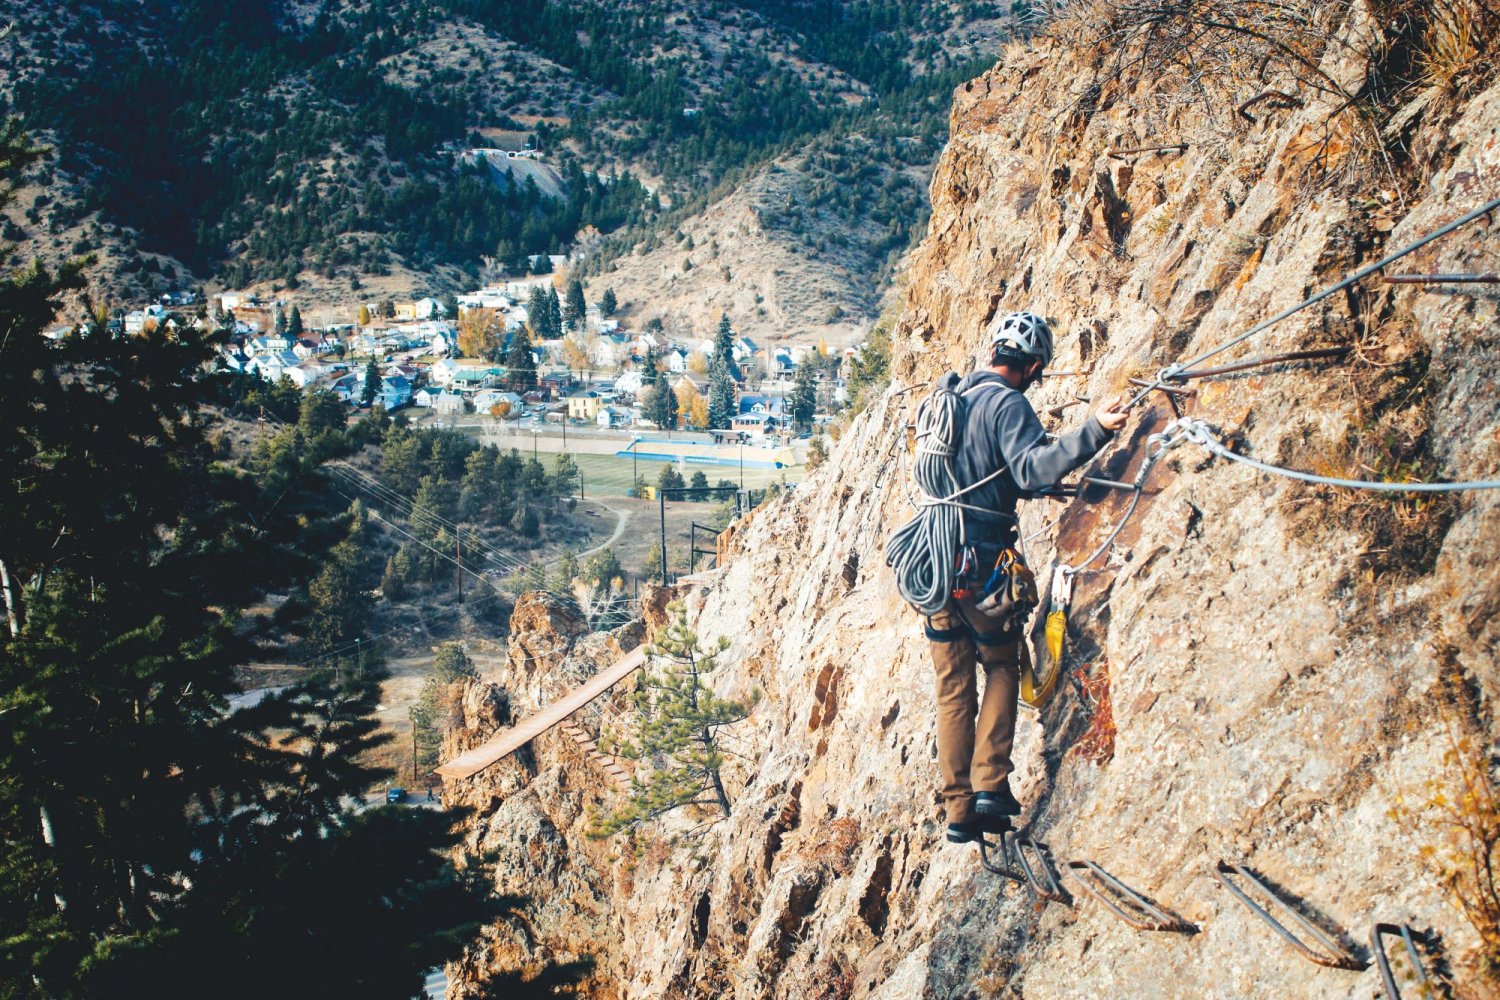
{"x": 1046, "y": 886}
{"x": 1334, "y": 956}
{"x": 1143, "y": 915}
{"x": 1443, "y": 279}
{"x": 984, "y": 859}
{"x": 1386, "y": 976}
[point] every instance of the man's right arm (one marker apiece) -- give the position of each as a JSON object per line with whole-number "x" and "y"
{"x": 1034, "y": 462}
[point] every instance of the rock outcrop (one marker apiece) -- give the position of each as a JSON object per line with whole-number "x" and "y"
{"x": 1261, "y": 671}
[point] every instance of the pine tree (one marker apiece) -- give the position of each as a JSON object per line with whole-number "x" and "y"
{"x": 804, "y": 396}
{"x": 662, "y": 405}
{"x": 279, "y": 322}
{"x": 676, "y": 736}
{"x": 575, "y": 307}
{"x": 294, "y": 327}
{"x": 539, "y": 314}
{"x": 339, "y": 594}
{"x": 608, "y": 304}
{"x": 721, "y": 393}
{"x": 520, "y": 365}
{"x": 146, "y": 825}
{"x": 565, "y": 572}
{"x": 554, "y": 315}
{"x": 372, "y": 384}
{"x": 437, "y": 709}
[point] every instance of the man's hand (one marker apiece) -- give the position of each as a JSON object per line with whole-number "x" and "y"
{"x": 1114, "y": 416}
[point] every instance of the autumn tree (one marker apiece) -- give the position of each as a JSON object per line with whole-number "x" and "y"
{"x": 691, "y": 406}
{"x": 676, "y": 736}
{"x": 479, "y": 333}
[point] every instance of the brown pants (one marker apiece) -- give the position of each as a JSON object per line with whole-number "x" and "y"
{"x": 973, "y": 761}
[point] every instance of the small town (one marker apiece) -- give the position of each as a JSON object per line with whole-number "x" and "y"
{"x": 514, "y": 359}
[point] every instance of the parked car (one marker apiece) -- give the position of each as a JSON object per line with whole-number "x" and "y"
{"x": 395, "y": 795}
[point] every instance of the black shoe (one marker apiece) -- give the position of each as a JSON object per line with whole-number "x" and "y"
{"x": 964, "y": 833}
{"x": 1000, "y": 803}
{"x": 974, "y": 829}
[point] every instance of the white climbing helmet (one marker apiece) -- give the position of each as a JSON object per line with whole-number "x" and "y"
{"x": 1023, "y": 333}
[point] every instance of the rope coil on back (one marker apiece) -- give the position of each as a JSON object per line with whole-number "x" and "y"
{"x": 922, "y": 551}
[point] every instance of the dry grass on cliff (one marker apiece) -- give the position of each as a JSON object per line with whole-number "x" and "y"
{"x": 1459, "y": 809}
{"x": 1242, "y": 61}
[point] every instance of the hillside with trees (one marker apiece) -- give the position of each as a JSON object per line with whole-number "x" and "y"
{"x": 321, "y": 147}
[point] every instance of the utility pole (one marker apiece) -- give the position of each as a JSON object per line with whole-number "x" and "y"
{"x": 635, "y": 477}
{"x": 458, "y": 561}
{"x": 661, "y": 496}
{"x": 742, "y": 463}
{"x": 580, "y": 485}
{"x": 411, "y": 714}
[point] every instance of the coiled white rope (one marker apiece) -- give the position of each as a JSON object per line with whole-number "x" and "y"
{"x": 921, "y": 552}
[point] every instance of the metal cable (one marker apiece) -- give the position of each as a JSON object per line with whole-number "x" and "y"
{"x": 1180, "y": 368}
{"x": 1200, "y": 433}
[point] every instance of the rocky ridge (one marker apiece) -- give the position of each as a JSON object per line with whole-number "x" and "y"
{"x": 1265, "y": 672}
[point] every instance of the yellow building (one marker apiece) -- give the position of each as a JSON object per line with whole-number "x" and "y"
{"x": 584, "y": 405}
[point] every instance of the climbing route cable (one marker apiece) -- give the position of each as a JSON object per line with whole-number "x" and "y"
{"x": 1200, "y": 433}
{"x": 1181, "y": 369}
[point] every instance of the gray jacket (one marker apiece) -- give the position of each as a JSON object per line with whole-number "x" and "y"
{"x": 1002, "y": 430}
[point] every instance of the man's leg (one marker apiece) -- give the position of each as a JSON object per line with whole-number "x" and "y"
{"x": 957, "y": 701}
{"x": 1001, "y": 656}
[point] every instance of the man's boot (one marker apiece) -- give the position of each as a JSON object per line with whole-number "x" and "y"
{"x": 997, "y": 803}
{"x": 972, "y": 830}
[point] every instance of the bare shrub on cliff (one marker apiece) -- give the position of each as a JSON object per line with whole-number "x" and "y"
{"x": 677, "y": 735}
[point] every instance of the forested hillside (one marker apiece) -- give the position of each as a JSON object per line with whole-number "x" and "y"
{"x": 320, "y": 145}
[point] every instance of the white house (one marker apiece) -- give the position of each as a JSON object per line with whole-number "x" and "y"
{"x": 135, "y": 322}
{"x": 304, "y": 375}
{"x": 271, "y": 365}
{"x": 429, "y": 309}
{"x": 675, "y": 360}
{"x": 441, "y": 372}
{"x": 484, "y": 399}
{"x": 613, "y": 416}
{"x": 448, "y": 404}
{"x": 630, "y": 383}
{"x": 485, "y": 298}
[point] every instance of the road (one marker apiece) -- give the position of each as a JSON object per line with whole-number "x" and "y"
{"x": 622, "y": 517}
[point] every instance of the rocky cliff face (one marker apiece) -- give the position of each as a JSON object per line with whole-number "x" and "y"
{"x": 1286, "y": 676}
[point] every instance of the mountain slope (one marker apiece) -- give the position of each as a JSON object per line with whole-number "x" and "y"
{"x": 314, "y": 146}
{"x": 1292, "y": 677}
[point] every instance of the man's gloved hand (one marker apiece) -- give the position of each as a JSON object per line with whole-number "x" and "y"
{"x": 1114, "y": 416}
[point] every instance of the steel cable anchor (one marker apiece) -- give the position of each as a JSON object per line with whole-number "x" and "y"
{"x": 1003, "y": 872}
{"x": 1333, "y": 955}
{"x": 1386, "y": 976}
{"x": 1044, "y": 888}
{"x": 1143, "y": 915}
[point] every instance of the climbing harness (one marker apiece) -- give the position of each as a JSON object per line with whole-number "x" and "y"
{"x": 1333, "y": 955}
{"x": 1387, "y": 978}
{"x": 1125, "y": 903}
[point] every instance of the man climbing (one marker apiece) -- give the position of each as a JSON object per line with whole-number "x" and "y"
{"x": 1003, "y": 456}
